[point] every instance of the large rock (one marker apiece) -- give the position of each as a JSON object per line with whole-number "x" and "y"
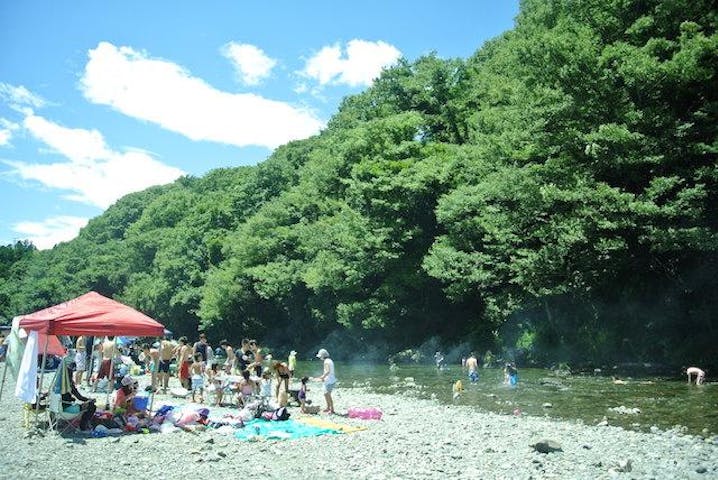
{"x": 547, "y": 446}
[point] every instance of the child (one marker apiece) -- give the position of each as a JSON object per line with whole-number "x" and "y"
{"x": 458, "y": 389}
{"x": 247, "y": 388}
{"x": 302, "y": 395}
{"x": 266, "y": 389}
{"x": 195, "y": 371}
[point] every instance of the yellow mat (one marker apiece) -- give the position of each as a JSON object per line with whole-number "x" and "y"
{"x": 321, "y": 423}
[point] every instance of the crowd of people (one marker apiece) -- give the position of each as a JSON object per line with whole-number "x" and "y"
{"x": 220, "y": 376}
{"x": 225, "y": 375}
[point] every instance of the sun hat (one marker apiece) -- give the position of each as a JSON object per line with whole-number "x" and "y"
{"x": 293, "y": 352}
{"x": 322, "y": 353}
{"x": 203, "y": 412}
{"x": 126, "y": 381}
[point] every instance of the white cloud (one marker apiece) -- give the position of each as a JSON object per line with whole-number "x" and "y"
{"x": 251, "y": 63}
{"x": 19, "y": 96}
{"x": 363, "y": 63}
{"x": 6, "y": 129}
{"x": 95, "y": 174}
{"x": 77, "y": 144}
{"x": 164, "y": 93}
{"x": 51, "y": 231}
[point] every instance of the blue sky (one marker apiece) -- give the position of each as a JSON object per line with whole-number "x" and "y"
{"x": 100, "y": 99}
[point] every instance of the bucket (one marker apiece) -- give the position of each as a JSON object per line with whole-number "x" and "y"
{"x": 140, "y": 403}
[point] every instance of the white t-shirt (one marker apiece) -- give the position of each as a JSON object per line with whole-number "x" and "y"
{"x": 329, "y": 366}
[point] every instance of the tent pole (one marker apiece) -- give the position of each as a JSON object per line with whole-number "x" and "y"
{"x": 42, "y": 375}
{"x": 4, "y": 374}
{"x": 154, "y": 375}
{"x": 111, "y": 375}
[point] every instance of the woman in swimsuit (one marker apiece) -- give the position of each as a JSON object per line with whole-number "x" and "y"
{"x": 281, "y": 369}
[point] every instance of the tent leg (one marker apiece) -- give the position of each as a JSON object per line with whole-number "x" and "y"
{"x": 154, "y": 378}
{"x": 42, "y": 376}
{"x": 110, "y": 379}
{"x": 4, "y": 374}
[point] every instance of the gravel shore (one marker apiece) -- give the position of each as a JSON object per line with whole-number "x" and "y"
{"x": 415, "y": 439}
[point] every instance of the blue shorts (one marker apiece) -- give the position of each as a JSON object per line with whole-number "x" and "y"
{"x": 328, "y": 387}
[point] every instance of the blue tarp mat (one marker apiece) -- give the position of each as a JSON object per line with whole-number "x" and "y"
{"x": 280, "y": 430}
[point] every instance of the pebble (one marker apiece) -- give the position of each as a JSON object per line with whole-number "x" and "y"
{"x": 416, "y": 441}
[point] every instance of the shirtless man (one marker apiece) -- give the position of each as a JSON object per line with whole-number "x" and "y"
{"x": 108, "y": 350}
{"x": 229, "y": 363}
{"x": 166, "y": 353}
{"x": 700, "y": 374}
{"x": 183, "y": 352}
{"x": 472, "y": 364}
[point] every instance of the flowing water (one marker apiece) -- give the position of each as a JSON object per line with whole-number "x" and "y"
{"x": 662, "y": 402}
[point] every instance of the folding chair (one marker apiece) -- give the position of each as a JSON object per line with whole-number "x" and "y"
{"x": 60, "y": 420}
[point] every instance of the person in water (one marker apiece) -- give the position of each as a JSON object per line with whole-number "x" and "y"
{"x": 700, "y": 374}
{"x": 472, "y": 364}
{"x": 511, "y": 374}
{"x": 439, "y": 359}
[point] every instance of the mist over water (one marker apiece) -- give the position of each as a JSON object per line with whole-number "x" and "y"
{"x": 662, "y": 402}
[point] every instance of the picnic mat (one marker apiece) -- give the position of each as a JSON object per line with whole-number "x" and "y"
{"x": 280, "y": 430}
{"x": 322, "y": 423}
{"x": 261, "y": 429}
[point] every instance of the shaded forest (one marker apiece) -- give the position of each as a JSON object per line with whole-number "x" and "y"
{"x": 554, "y": 195}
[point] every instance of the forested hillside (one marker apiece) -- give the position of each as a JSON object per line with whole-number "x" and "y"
{"x": 555, "y": 192}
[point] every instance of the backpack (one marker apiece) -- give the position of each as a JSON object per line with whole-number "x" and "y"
{"x": 281, "y": 414}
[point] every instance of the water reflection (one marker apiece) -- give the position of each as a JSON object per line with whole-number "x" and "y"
{"x": 645, "y": 401}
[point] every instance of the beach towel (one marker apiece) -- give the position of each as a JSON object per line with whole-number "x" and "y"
{"x": 286, "y": 430}
{"x": 62, "y": 377}
{"x": 322, "y": 423}
{"x": 26, "y": 387}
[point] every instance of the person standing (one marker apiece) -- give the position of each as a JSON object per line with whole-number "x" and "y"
{"x": 472, "y": 364}
{"x": 511, "y": 374}
{"x": 166, "y": 353}
{"x": 258, "y": 358}
{"x": 328, "y": 378}
{"x": 292, "y": 363}
{"x": 201, "y": 347}
{"x": 229, "y": 351}
{"x": 245, "y": 356}
{"x": 150, "y": 357}
{"x": 282, "y": 371}
{"x": 183, "y": 353}
{"x": 108, "y": 350}
{"x": 80, "y": 359}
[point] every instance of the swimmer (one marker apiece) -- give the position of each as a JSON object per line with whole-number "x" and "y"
{"x": 700, "y": 374}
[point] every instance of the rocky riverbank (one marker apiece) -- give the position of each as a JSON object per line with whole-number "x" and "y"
{"x": 415, "y": 439}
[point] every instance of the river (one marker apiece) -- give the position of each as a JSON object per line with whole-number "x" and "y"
{"x": 662, "y": 402}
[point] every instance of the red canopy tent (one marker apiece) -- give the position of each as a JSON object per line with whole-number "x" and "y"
{"x": 92, "y": 314}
